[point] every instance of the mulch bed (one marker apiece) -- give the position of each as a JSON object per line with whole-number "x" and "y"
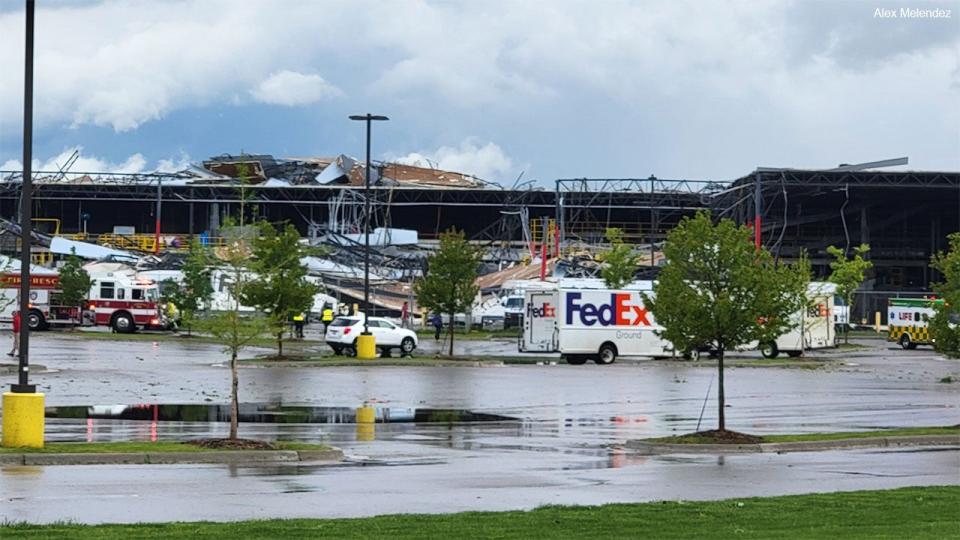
{"x": 725, "y": 437}
{"x": 233, "y": 444}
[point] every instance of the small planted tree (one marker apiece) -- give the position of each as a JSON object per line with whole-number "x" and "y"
{"x": 620, "y": 262}
{"x": 74, "y": 281}
{"x": 281, "y": 288}
{"x": 234, "y": 330}
{"x": 718, "y": 291}
{"x": 848, "y": 274}
{"x": 449, "y": 283}
{"x": 195, "y": 289}
{"x": 945, "y": 325}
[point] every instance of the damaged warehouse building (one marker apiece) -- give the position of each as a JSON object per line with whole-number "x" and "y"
{"x": 905, "y": 216}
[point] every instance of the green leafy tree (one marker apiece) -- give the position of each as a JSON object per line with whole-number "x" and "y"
{"x": 620, "y": 262}
{"x": 449, "y": 283}
{"x": 281, "y": 288}
{"x": 232, "y": 329}
{"x": 716, "y": 290}
{"x": 195, "y": 289}
{"x": 945, "y": 325}
{"x": 848, "y": 274}
{"x": 245, "y": 179}
{"x": 74, "y": 281}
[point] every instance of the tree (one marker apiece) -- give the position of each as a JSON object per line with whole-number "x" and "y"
{"x": 620, "y": 262}
{"x": 848, "y": 274}
{"x": 233, "y": 330}
{"x": 448, "y": 285}
{"x": 281, "y": 288}
{"x": 945, "y": 325}
{"x": 74, "y": 281}
{"x": 195, "y": 289}
{"x": 716, "y": 290}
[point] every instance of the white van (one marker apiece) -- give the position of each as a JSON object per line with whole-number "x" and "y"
{"x": 583, "y": 320}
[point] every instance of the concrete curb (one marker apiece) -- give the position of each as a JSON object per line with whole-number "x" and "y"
{"x": 804, "y": 446}
{"x": 228, "y": 457}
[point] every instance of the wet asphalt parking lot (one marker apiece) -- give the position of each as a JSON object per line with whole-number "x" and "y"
{"x": 562, "y": 443}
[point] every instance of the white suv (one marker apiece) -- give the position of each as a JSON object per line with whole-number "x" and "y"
{"x": 342, "y": 335}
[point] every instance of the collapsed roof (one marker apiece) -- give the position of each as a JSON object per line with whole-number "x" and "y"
{"x": 341, "y": 170}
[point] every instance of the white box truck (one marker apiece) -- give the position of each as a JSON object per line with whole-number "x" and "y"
{"x": 814, "y": 326}
{"x": 583, "y": 320}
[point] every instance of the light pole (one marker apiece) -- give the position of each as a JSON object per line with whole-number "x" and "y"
{"x": 156, "y": 230}
{"x": 23, "y": 406}
{"x": 366, "y": 345}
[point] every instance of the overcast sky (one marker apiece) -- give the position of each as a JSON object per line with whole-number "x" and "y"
{"x": 551, "y": 89}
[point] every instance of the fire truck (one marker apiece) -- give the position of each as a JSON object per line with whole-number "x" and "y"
{"x": 122, "y": 300}
{"x": 46, "y": 310}
{"x": 118, "y": 298}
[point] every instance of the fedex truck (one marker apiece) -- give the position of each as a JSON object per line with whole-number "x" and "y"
{"x": 583, "y": 320}
{"x": 813, "y": 327}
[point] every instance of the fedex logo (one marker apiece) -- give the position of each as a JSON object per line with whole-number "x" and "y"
{"x": 619, "y": 312}
{"x": 545, "y": 310}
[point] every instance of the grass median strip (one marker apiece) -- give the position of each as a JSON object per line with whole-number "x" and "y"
{"x": 142, "y": 447}
{"x": 926, "y": 512}
{"x": 693, "y": 438}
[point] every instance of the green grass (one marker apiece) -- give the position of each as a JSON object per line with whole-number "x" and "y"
{"x": 751, "y": 362}
{"x": 920, "y": 513}
{"x": 902, "y": 432}
{"x": 266, "y": 341}
{"x": 473, "y": 334}
{"x": 806, "y": 437}
{"x": 138, "y": 447}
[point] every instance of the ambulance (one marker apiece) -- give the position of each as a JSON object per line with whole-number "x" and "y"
{"x": 908, "y": 321}
{"x": 584, "y": 320}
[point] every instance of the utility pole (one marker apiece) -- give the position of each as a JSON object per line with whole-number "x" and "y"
{"x": 23, "y": 410}
{"x": 156, "y": 234}
{"x": 366, "y": 345}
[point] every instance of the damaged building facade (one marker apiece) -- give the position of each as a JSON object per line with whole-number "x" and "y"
{"x": 904, "y": 216}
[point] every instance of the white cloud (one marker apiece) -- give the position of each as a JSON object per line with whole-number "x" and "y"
{"x": 292, "y": 88}
{"x": 133, "y": 164}
{"x": 487, "y": 161}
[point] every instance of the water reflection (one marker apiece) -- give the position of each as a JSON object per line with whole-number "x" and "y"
{"x": 269, "y": 413}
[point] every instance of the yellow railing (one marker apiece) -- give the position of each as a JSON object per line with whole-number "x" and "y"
{"x": 142, "y": 242}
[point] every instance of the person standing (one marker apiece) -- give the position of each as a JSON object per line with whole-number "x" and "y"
{"x": 327, "y": 317}
{"x": 405, "y": 316}
{"x": 298, "y": 321}
{"x": 15, "y": 351}
{"x": 437, "y": 326}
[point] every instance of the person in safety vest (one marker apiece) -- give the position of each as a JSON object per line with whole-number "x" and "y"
{"x": 326, "y": 317}
{"x": 298, "y": 321}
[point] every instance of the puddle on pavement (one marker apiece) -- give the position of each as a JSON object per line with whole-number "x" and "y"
{"x": 269, "y": 413}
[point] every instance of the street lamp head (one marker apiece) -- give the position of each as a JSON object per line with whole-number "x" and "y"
{"x": 366, "y": 117}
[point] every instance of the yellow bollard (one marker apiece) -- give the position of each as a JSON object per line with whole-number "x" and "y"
{"x": 23, "y": 420}
{"x": 366, "y": 414}
{"x": 366, "y": 347}
{"x": 876, "y": 321}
